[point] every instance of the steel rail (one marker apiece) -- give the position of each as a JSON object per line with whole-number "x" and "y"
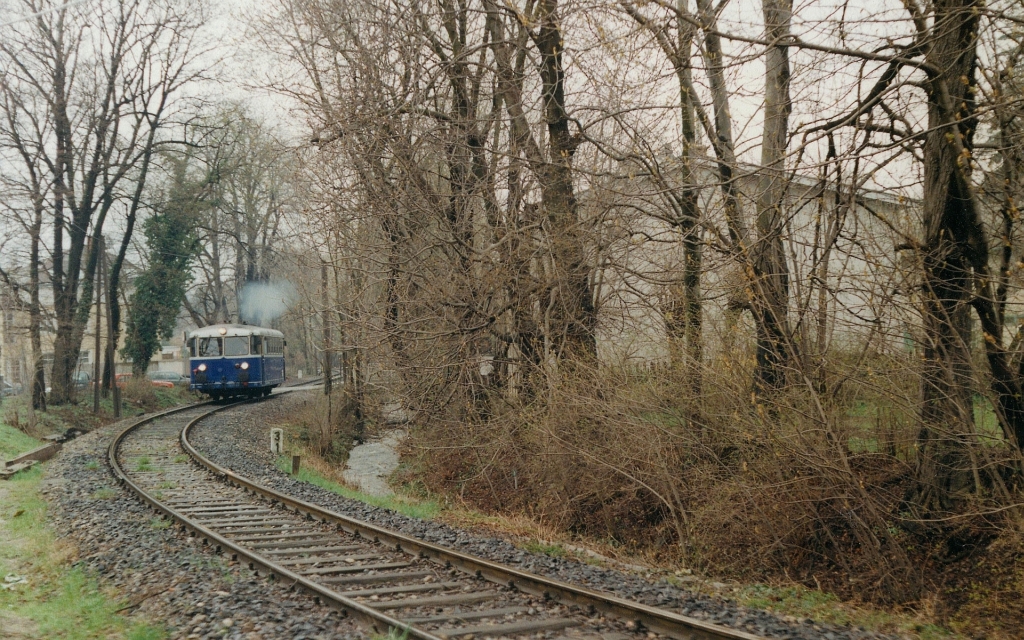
{"x": 657, "y": 620}
{"x": 379, "y": 622}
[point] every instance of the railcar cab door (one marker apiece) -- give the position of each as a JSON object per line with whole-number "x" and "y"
{"x": 256, "y": 350}
{"x": 237, "y": 348}
{"x": 206, "y": 348}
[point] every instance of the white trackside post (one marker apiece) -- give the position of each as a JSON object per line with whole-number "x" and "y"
{"x": 277, "y": 441}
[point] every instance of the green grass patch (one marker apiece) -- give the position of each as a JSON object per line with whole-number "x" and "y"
{"x": 147, "y": 632}
{"x": 553, "y": 550}
{"x": 14, "y": 442}
{"x": 143, "y": 464}
{"x": 104, "y": 494}
{"x": 173, "y": 397}
{"x": 801, "y": 602}
{"x": 57, "y": 601}
{"x": 421, "y": 509}
{"x": 160, "y": 523}
{"x": 392, "y": 634}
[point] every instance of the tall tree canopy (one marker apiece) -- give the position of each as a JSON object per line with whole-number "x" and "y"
{"x": 172, "y": 243}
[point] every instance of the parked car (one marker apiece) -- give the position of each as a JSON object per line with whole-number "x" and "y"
{"x": 167, "y": 376}
{"x": 122, "y": 379}
{"x": 81, "y": 379}
{"x": 10, "y": 389}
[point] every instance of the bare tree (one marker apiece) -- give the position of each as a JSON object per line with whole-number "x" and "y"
{"x": 248, "y": 173}
{"x": 99, "y": 87}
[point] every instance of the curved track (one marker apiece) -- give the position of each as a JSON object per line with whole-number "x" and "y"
{"x": 389, "y": 580}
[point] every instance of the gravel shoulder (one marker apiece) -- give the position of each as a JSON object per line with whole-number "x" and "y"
{"x": 164, "y": 574}
{"x": 239, "y": 440}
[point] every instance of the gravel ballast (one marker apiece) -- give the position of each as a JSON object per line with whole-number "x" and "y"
{"x": 165, "y": 576}
{"x": 239, "y": 440}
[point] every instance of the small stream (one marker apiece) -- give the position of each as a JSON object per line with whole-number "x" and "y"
{"x": 370, "y": 464}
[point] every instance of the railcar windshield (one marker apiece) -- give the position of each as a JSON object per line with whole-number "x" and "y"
{"x": 236, "y": 346}
{"x": 209, "y": 347}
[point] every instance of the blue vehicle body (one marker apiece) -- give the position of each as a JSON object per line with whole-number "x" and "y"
{"x": 228, "y": 360}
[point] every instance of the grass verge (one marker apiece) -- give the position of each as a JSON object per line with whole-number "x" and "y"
{"x": 323, "y": 478}
{"x": 802, "y": 603}
{"x": 794, "y": 602}
{"x": 56, "y": 600}
{"x": 14, "y": 442}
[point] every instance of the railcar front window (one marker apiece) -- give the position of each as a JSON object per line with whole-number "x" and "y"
{"x": 236, "y": 346}
{"x": 209, "y": 347}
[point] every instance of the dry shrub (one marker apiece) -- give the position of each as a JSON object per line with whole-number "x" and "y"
{"x": 983, "y": 594}
{"x": 326, "y": 424}
{"x": 811, "y": 488}
{"x": 12, "y": 416}
{"x": 139, "y": 392}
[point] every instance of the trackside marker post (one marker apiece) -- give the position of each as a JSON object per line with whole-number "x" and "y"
{"x": 277, "y": 441}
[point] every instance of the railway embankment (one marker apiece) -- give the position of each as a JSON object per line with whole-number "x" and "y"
{"x": 239, "y": 439}
{"x": 45, "y": 592}
{"x": 159, "y": 573}
{"x": 147, "y": 579}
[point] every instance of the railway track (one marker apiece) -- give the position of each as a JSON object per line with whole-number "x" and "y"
{"x": 392, "y": 582}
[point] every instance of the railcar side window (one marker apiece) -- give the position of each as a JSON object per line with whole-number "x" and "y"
{"x": 256, "y": 345}
{"x": 275, "y": 346}
{"x": 236, "y": 346}
{"x": 209, "y": 347}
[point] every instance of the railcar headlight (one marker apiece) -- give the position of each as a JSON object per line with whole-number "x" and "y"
{"x": 202, "y": 367}
{"x": 245, "y": 365}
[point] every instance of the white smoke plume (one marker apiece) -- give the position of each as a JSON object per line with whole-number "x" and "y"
{"x": 263, "y": 302}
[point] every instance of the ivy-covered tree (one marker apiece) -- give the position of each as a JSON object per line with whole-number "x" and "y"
{"x": 159, "y": 290}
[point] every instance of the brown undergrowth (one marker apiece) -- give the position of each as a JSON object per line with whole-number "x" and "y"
{"x": 809, "y": 491}
{"x": 324, "y": 426}
{"x": 137, "y": 397}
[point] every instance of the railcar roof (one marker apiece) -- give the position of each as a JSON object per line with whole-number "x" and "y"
{"x": 214, "y": 331}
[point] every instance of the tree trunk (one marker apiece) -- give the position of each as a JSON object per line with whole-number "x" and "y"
{"x": 574, "y": 316}
{"x": 956, "y": 275}
{"x": 684, "y": 315}
{"x": 38, "y": 382}
{"x": 325, "y": 318}
{"x": 690, "y": 219}
{"x": 770, "y": 300}
{"x": 720, "y": 133}
{"x": 566, "y": 293}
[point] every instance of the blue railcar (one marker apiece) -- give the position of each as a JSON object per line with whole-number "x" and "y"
{"x": 228, "y": 360}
